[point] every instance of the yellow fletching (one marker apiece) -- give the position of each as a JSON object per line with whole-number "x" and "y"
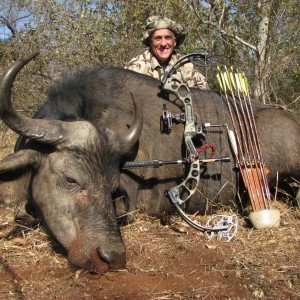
{"x": 220, "y": 82}
{"x": 224, "y": 82}
{"x": 239, "y": 88}
{"x": 227, "y": 80}
{"x": 246, "y": 85}
{"x": 242, "y": 81}
{"x": 232, "y": 80}
{"x": 223, "y": 89}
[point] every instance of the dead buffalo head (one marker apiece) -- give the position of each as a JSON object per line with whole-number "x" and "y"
{"x": 73, "y": 169}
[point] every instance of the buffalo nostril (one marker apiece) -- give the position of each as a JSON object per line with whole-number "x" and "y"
{"x": 114, "y": 259}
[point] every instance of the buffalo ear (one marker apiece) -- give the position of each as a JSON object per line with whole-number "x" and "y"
{"x": 19, "y": 160}
{"x": 15, "y": 177}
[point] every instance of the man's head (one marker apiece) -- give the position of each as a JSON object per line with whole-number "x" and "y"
{"x": 162, "y": 35}
{"x": 162, "y": 44}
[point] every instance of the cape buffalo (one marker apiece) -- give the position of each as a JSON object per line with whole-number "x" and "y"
{"x": 69, "y": 162}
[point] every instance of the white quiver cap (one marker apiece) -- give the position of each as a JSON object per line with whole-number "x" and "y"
{"x": 265, "y": 218}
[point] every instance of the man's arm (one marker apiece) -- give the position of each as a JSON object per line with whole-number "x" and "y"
{"x": 193, "y": 77}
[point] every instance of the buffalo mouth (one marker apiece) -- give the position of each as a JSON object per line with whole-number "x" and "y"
{"x": 97, "y": 261}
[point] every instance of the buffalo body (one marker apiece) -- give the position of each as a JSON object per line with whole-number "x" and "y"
{"x": 68, "y": 161}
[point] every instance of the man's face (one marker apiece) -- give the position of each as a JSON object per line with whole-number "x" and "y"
{"x": 163, "y": 42}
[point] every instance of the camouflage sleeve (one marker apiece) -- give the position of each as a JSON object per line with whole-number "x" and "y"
{"x": 138, "y": 64}
{"x": 193, "y": 77}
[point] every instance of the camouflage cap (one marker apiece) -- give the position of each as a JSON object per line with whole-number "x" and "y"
{"x": 156, "y": 22}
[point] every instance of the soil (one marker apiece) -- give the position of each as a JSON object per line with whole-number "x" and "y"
{"x": 164, "y": 262}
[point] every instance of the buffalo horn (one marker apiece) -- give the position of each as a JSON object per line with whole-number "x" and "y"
{"x": 51, "y": 132}
{"x": 136, "y": 128}
{"x": 46, "y": 131}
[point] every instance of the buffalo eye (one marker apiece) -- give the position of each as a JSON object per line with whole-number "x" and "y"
{"x": 69, "y": 181}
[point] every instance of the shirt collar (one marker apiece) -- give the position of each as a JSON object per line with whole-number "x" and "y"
{"x": 155, "y": 64}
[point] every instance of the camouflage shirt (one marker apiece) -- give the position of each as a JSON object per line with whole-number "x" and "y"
{"x": 147, "y": 64}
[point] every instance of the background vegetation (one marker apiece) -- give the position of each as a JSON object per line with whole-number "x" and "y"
{"x": 261, "y": 37}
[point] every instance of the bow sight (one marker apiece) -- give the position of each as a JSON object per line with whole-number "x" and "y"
{"x": 181, "y": 193}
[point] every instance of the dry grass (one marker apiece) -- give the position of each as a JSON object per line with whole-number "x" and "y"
{"x": 8, "y": 140}
{"x": 164, "y": 262}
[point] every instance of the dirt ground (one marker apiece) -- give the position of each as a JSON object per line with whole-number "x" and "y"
{"x": 164, "y": 262}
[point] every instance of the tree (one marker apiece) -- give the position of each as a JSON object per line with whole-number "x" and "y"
{"x": 260, "y": 37}
{"x": 250, "y": 30}
{"x": 12, "y": 14}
